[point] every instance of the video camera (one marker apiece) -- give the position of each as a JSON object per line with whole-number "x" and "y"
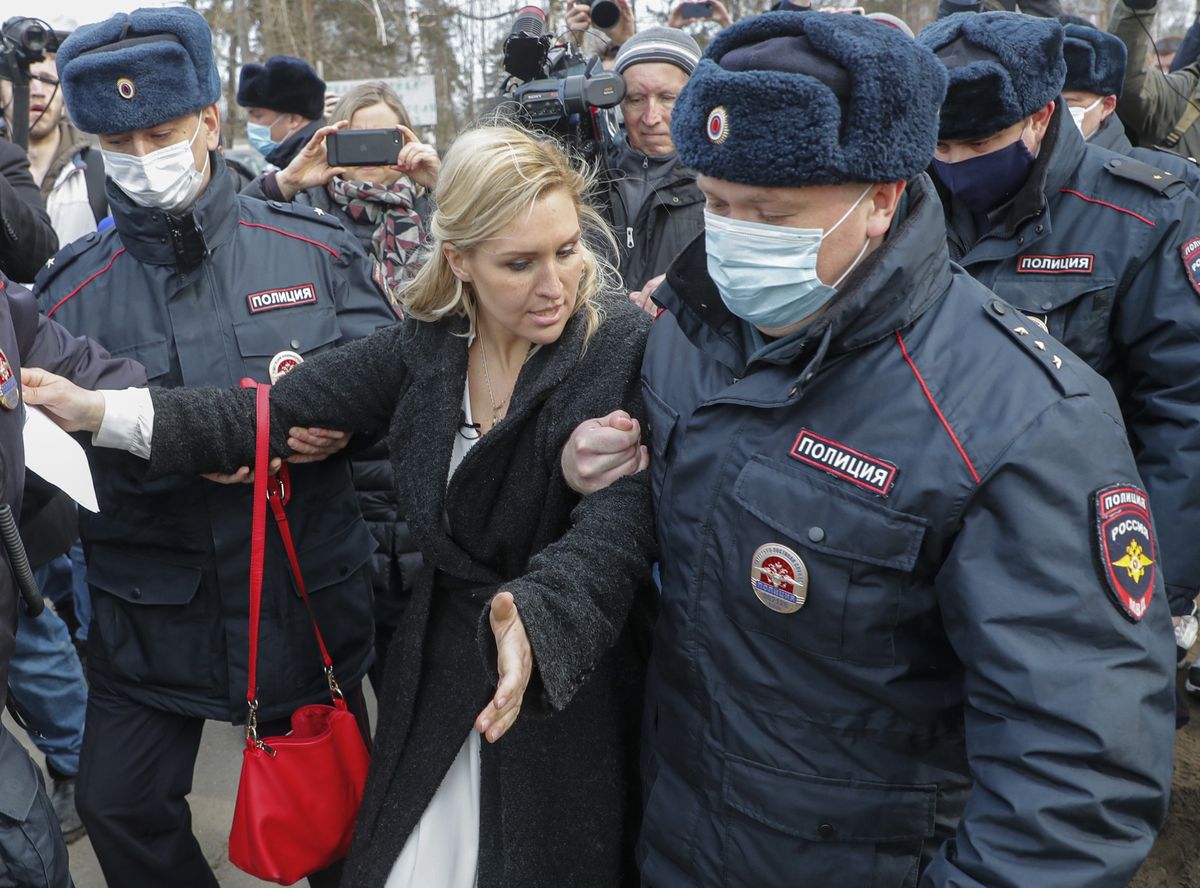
{"x": 561, "y": 92}
{"x": 23, "y": 42}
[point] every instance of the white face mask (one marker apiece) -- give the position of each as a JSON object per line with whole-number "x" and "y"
{"x": 166, "y": 179}
{"x": 1077, "y": 115}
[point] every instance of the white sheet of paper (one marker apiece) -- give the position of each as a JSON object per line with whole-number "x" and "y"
{"x": 58, "y": 458}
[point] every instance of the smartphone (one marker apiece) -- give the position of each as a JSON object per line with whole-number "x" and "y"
{"x": 701, "y": 10}
{"x": 368, "y": 147}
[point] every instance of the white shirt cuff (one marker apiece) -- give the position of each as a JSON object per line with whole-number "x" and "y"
{"x": 128, "y": 422}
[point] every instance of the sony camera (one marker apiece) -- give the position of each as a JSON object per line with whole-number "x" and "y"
{"x": 560, "y": 92}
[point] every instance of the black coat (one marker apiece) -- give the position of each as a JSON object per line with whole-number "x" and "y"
{"x": 27, "y": 239}
{"x": 558, "y": 793}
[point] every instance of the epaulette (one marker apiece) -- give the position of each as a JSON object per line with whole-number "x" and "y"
{"x": 1144, "y": 174}
{"x": 1031, "y": 335}
{"x": 303, "y": 211}
{"x": 64, "y": 258}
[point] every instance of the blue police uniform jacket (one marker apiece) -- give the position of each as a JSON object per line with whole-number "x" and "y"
{"x": 28, "y": 339}
{"x": 207, "y": 300}
{"x": 1111, "y": 135}
{"x": 961, "y": 699}
{"x": 1105, "y": 251}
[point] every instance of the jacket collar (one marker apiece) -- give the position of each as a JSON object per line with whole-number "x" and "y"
{"x": 158, "y": 238}
{"x": 1111, "y": 135}
{"x": 283, "y": 153}
{"x": 893, "y": 286}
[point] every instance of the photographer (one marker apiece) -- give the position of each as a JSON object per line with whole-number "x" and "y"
{"x": 587, "y": 18}
{"x": 652, "y": 202}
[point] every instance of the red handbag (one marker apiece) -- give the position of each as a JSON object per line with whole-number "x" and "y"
{"x": 298, "y": 794}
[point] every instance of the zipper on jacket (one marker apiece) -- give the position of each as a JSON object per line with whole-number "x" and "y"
{"x": 629, "y": 237}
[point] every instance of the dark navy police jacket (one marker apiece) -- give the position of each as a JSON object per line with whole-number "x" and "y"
{"x": 1106, "y": 252}
{"x": 28, "y": 339}
{"x": 963, "y": 699}
{"x": 207, "y": 300}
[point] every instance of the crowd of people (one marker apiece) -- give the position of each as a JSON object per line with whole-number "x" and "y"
{"x": 800, "y": 491}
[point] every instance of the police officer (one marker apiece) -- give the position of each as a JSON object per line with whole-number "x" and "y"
{"x": 32, "y": 852}
{"x": 1101, "y": 250}
{"x": 1095, "y": 72}
{"x": 912, "y": 611}
{"x": 204, "y": 288}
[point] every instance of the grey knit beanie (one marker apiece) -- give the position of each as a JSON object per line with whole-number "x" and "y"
{"x": 659, "y": 44}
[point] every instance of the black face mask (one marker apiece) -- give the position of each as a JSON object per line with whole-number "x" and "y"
{"x": 985, "y": 182}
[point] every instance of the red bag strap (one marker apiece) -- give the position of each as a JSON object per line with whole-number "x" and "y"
{"x": 273, "y": 491}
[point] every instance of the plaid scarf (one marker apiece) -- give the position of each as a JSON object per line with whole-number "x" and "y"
{"x": 399, "y": 237}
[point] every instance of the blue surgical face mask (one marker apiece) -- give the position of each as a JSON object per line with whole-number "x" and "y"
{"x": 767, "y": 274}
{"x": 259, "y": 136}
{"x": 987, "y": 181}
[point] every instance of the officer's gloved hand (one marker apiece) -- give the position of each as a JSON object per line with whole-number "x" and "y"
{"x": 1186, "y": 629}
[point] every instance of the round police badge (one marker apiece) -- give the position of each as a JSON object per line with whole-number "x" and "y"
{"x": 125, "y": 88}
{"x": 282, "y": 363}
{"x": 779, "y": 578}
{"x": 718, "y": 125}
{"x": 10, "y": 386}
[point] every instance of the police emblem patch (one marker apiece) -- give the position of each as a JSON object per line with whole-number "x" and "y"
{"x": 779, "y": 578}
{"x": 284, "y": 297}
{"x": 1190, "y": 253}
{"x": 844, "y": 462}
{"x": 718, "y": 125}
{"x": 126, "y": 88}
{"x": 1072, "y": 263}
{"x": 10, "y": 386}
{"x": 282, "y": 363}
{"x": 1126, "y": 547}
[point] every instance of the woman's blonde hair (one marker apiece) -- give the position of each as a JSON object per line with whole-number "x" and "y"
{"x": 365, "y": 95}
{"x": 489, "y": 177}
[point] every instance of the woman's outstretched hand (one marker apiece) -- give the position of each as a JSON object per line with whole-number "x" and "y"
{"x": 73, "y": 408}
{"x": 514, "y": 662}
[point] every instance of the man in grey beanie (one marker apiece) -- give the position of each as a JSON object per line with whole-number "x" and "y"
{"x": 652, "y": 202}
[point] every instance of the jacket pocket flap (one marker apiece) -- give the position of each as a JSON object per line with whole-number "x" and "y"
{"x": 139, "y": 581}
{"x": 354, "y": 544}
{"x": 825, "y": 809}
{"x": 154, "y": 356}
{"x": 661, "y": 419}
{"x": 1036, "y": 295}
{"x": 298, "y": 330}
{"x": 821, "y": 516}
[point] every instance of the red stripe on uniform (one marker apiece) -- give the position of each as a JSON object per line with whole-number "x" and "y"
{"x": 60, "y": 302}
{"x": 932, "y": 403}
{"x": 1105, "y": 203}
{"x": 334, "y": 253}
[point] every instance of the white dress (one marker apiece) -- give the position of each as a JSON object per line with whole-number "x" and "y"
{"x": 443, "y": 849}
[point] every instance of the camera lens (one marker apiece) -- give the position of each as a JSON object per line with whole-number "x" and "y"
{"x": 33, "y": 37}
{"x": 605, "y": 13}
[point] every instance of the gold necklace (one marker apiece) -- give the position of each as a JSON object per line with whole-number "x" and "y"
{"x": 498, "y": 410}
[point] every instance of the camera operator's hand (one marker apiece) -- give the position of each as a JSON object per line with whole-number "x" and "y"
{"x": 579, "y": 20}
{"x": 331, "y": 100}
{"x": 310, "y": 167}
{"x": 418, "y": 161}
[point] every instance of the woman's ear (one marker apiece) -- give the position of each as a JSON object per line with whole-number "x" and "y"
{"x": 455, "y": 259}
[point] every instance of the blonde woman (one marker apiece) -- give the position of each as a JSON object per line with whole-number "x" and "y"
{"x": 512, "y": 339}
{"x": 383, "y": 206}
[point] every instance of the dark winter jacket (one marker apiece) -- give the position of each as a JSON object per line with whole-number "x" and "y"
{"x": 283, "y": 153}
{"x": 27, "y": 238}
{"x": 1108, "y": 257}
{"x": 668, "y": 220}
{"x": 209, "y": 299}
{"x": 559, "y": 799}
{"x": 962, "y": 699}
